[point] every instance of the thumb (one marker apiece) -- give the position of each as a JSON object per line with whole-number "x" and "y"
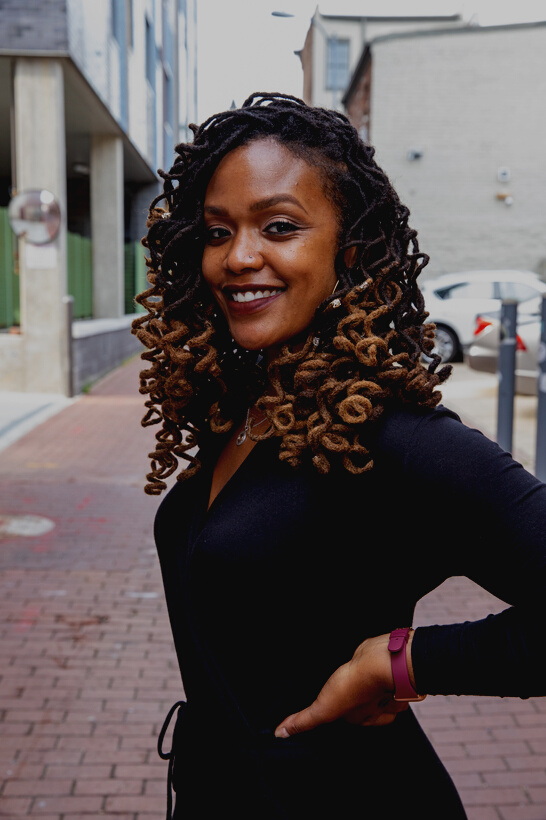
{"x": 302, "y": 721}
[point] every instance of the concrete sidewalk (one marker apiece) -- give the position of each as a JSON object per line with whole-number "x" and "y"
{"x": 88, "y": 668}
{"x": 22, "y": 412}
{"x": 473, "y": 395}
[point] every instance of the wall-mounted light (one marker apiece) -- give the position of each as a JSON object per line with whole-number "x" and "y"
{"x": 506, "y": 197}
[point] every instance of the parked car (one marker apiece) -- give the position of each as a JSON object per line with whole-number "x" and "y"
{"x": 454, "y": 299}
{"x": 483, "y": 353}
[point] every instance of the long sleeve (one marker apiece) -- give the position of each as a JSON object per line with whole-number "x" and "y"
{"x": 490, "y": 525}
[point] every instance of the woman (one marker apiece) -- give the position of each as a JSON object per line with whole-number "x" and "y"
{"x": 285, "y": 334}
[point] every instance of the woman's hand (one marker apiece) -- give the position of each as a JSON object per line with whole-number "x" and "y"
{"x": 361, "y": 692}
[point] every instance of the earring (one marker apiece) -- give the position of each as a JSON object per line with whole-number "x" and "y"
{"x": 335, "y": 303}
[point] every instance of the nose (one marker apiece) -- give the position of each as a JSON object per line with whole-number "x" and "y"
{"x": 243, "y": 254}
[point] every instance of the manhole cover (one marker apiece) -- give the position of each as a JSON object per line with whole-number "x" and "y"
{"x": 25, "y": 525}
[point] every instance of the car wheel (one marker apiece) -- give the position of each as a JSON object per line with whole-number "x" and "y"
{"x": 447, "y": 344}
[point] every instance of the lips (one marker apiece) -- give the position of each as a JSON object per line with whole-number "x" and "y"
{"x": 253, "y": 295}
{"x": 241, "y": 300}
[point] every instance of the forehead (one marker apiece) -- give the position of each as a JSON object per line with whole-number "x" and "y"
{"x": 265, "y": 168}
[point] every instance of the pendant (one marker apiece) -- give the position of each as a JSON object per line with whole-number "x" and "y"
{"x": 241, "y": 438}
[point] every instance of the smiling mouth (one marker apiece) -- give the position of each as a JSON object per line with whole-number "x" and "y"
{"x": 253, "y": 295}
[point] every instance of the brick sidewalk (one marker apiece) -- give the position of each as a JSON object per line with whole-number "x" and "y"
{"x": 87, "y": 664}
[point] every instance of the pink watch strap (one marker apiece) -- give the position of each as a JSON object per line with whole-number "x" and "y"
{"x": 403, "y": 690}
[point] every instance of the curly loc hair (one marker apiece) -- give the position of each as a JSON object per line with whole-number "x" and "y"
{"x": 364, "y": 348}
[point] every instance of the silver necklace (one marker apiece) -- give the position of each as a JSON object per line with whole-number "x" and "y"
{"x": 242, "y": 437}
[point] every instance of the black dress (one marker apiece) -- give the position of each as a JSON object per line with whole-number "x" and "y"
{"x": 275, "y": 586}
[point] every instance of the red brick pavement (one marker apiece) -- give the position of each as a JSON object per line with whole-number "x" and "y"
{"x": 87, "y": 667}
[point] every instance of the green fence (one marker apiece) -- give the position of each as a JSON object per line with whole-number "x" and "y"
{"x": 79, "y": 261}
{"x": 135, "y": 276}
{"x": 79, "y": 266}
{"x": 9, "y": 280}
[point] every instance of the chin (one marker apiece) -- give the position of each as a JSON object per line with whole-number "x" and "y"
{"x": 253, "y": 341}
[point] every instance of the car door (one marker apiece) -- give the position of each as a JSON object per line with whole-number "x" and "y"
{"x": 459, "y": 304}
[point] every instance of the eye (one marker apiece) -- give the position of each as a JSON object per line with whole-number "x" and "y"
{"x": 281, "y": 226}
{"x": 216, "y": 234}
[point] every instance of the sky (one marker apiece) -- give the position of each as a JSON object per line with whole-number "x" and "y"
{"x": 242, "y": 48}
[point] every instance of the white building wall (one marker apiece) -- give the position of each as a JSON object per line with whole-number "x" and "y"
{"x": 89, "y": 32}
{"x": 473, "y": 102}
{"x": 351, "y": 29}
{"x": 98, "y": 55}
{"x": 187, "y": 68}
{"x": 136, "y": 83}
{"x": 382, "y": 26}
{"x": 358, "y": 30}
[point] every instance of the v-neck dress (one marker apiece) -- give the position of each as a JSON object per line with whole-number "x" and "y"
{"x": 273, "y": 588}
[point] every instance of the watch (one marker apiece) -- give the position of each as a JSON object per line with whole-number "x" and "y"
{"x": 403, "y": 690}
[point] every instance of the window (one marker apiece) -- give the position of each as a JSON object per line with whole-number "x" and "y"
{"x": 516, "y": 290}
{"x": 116, "y": 18}
{"x": 129, "y": 18}
{"x": 468, "y": 290}
{"x": 337, "y": 63}
{"x": 150, "y": 54}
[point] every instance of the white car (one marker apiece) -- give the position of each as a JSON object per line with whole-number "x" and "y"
{"x": 454, "y": 299}
{"x": 483, "y": 353}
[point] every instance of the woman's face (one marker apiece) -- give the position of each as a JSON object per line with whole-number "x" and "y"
{"x": 272, "y": 237}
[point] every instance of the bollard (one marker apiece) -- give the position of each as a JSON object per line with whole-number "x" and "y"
{"x": 506, "y": 374}
{"x": 68, "y": 308}
{"x": 540, "y": 462}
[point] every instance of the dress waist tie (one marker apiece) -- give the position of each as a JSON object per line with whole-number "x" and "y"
{"x": 179, "y": 707}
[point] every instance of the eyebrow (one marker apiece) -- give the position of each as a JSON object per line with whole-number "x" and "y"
{"x": 260, "y": 205}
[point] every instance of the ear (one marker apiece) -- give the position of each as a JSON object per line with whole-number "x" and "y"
{"x": 349, "y": 257}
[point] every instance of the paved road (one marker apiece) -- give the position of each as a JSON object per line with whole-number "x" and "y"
{"x": 87, "y": 665}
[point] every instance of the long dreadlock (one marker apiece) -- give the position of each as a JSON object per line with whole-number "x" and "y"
{"x": 364, "y": 348}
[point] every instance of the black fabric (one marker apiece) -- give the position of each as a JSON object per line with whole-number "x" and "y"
{"x": 274, "y": 587}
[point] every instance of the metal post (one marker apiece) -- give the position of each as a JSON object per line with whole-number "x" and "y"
{"x": 506, "y": 374}
{"x": 540, "y": 462}
{"x": 68, "y": 305}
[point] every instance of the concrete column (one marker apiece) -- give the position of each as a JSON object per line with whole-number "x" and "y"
{"x": 107, "y": 227}
{"x": 39, "y": 136}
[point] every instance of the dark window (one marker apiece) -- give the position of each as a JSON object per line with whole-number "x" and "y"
{"x": 150, "y": 54}
{"x": 129, "y": 16}
{"x": 337, "y": 63}
{"x": 116, "y": 16}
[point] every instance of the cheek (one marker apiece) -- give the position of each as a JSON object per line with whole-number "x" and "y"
{"x": 211, "y": 275}
{"x": 207, "y": 269}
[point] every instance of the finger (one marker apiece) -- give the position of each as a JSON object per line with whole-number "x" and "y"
{"x": 302, "y": 721}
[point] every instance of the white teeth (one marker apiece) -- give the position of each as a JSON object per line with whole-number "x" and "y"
{"x": 251, "y": 296}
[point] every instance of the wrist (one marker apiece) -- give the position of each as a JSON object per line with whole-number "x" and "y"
{"x": 401, "y": 664}
{"x": 409, "y": 661}
{"x": 373, "y": 658}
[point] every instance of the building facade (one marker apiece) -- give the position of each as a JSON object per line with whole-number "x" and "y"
{"x": 93, "y": 92}
{"x": 333, "y": 47}
{"x": 458, "y": 119}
